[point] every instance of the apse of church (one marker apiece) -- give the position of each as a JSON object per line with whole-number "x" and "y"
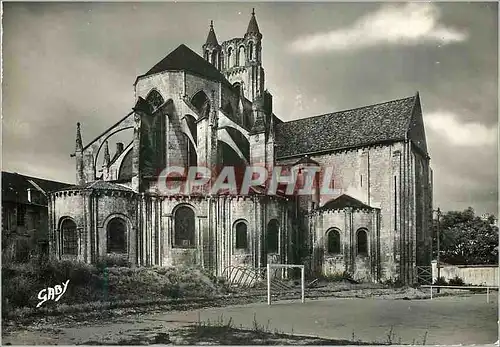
{"x": 213, "y": 111}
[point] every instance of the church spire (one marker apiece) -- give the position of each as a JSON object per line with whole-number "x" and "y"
{"x": 253, "y": 28}
{"x": 211, "y": 38}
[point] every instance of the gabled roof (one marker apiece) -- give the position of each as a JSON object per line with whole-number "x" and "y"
{"x": 15, "y": 186}
{"x": 184, "y": 59}
{"x": 368, "y": 125}
{"x": 344, "y": 201}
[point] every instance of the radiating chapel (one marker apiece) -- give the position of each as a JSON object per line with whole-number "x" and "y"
{"x": 213, "y": 109}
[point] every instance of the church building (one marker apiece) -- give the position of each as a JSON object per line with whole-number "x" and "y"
{"x": 213, "y": 110}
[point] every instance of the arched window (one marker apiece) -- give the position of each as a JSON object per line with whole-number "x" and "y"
{"x": 202, "y": 103}
{"x": 206, "y": 55}
{"x": 362, "y": 242}
{"x": 222, "y": 62}
{"x": 69, "y": 237}
{"x": 155, "y": 99}
{"x": 229, "y": 54}
{"x": 117, "y": 236}
{"x": 333, "y": 245}
{"x": 237, "y": 88}
{"x": 272, "y": 236}
{"x": 241, "y": 235}
{"x": 241, "y": 56}
{"x": 250, "y": 51}
{"x": 184, "y": 227}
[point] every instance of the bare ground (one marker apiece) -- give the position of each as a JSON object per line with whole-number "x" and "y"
{"x": 381, "y": 318}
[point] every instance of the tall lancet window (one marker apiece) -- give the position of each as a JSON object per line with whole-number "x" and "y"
{"x": 214, "y": 59}
{"x": 241, "y": 56}
{"x": 250, "y": 51}
{"x": 229, "y": 57}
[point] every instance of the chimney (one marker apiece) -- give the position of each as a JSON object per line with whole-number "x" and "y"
{"x": 119, "y": 149}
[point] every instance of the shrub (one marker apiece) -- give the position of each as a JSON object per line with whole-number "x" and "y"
{"x": 112, "y": 261}
{"x": 22, "y": 282}
{"x": 456, "y": 281}
{"x": 441, "y": 281}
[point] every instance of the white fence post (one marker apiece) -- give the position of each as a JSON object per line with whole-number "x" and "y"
{"x": 487, "y": 294}
{"x": 302, "y": 283}
{"x": 269, "y": 284}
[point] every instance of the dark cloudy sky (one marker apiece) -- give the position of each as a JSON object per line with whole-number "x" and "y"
{"x": 69, "y": 62}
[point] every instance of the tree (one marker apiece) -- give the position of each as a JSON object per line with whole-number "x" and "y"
{"x": 466, "y": 238}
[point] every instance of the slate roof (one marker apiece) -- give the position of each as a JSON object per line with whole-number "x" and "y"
{"x": 368, "y": 125}
{"x": 184, "y": 59}
{"x": 344, "y": 201}
{"x": 99, "y": 185}
{"x": 15, "y": 186}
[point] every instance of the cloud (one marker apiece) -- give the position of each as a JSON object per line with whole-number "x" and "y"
{"x": 408, "y": 24}
{"x": 447, "y": 125}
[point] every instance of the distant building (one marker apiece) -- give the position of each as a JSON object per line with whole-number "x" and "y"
{"x": 213, "y": 110}
{"x": 24, "y": 213}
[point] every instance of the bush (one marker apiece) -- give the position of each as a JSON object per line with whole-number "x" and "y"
{"x": 112, "y": 261}
{"x": 456, "y": 281}
{"x": 441, "y": 281}
{"x": 22, "y": 282}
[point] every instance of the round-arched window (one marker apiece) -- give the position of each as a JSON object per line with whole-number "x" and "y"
{"x": 184, "y": 227}
{"x": 117, "y": 236}
{"x": 69, "y": 237}
{"x": 241, "y": 235}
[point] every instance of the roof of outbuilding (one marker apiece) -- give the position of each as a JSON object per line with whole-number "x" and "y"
{"x": 15, "y": 186}
{"x": 184, "y": 59}
{"x": 363, "y": 126}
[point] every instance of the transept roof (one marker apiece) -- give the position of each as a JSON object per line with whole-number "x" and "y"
{"x": 363, "y": 126}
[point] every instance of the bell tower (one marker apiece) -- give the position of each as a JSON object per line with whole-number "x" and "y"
{"x": 242, "y": 61}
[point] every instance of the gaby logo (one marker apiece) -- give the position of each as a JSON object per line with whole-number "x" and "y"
{"x": 51, "y": 293}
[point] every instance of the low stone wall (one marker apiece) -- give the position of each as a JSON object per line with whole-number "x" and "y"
{"x": 485, "y": 275}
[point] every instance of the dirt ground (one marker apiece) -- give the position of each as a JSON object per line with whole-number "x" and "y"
{"x": 443, "y": 320}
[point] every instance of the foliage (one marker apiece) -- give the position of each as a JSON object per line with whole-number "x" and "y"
{"x": 467, "y": 239}
{"x": 110, "y": 261}
{"x": 441, "y": 281}
{"x": 88, "y": 283}
{"x": 456, "y": 281}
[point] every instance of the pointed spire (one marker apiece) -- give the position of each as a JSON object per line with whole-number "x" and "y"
{"x": 253, "y": 28}
{"x": 211, "y": 38}
{"x": 79, "y": 144}
{"x": 107, "y": 157}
